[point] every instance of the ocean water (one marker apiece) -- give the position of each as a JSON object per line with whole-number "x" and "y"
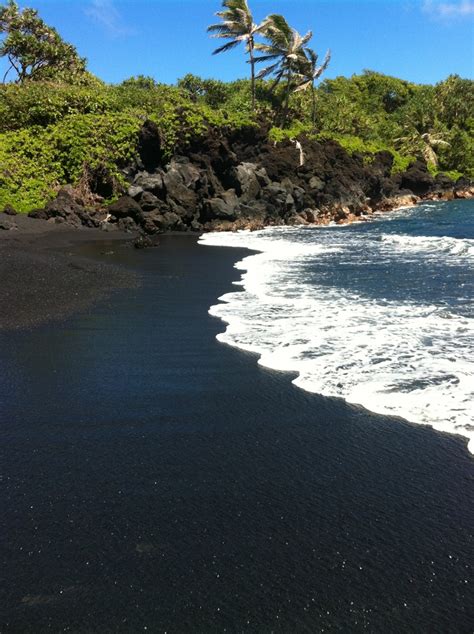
{"x": 379, "y": 313}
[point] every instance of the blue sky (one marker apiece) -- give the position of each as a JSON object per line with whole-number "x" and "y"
{"x": 418, "y": 40}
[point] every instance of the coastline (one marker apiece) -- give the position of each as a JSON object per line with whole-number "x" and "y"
{"x": 51, "y": 270}
{"x": 190, "y": 473}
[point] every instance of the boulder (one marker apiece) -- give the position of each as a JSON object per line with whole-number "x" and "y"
{"x": 144, "y": 181}
{"x": 315, "y": 183}
{"x": 64, "y": 206}
{"x": 382, "y": 163}
{"x": 299, "y": 197}
{"x": 189, "y": 174}
{"x": 417, "y": 178}
{"x": 177, "y": 191}
{"x": 125, "y": 207}
{"x": 297, "y": 219}
{"x": 443, "y": 183}
{"x": 148, "y": 201}
{"x": 185, "y": 213}
{"x": 311, "y": 215}
{"x": 277, "y": 200}
{"x": 217, "y": 208}
{"x": 247, "y": 182}
{"x": 464, "y": 188}
{"x": 128, "y": 225}
{"x": 149, "y": 145}
{"x": 195, "y": 225}
{"x": 89, "y": 217}
{"x": 134, "y": 191}
{"x": 144, "y": 242}
{"x": 158, "y": 221}
{"x": 462, "y": 183}
{"x": 230, "y": 199}
{"x": 38, "y": 214}
{"x": 9, "y": 210}
{"x": 171, "y": 221}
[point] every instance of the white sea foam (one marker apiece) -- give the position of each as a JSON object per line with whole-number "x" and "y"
{"x": 429, "y": 244}
{"x": 407, "y": 359}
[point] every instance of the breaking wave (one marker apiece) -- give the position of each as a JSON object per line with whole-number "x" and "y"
{"x": 380, "y": 318}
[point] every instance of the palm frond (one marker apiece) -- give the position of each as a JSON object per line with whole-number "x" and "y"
{"x": 306, "y": 38}
{"x": 267, "y": 71}
{"x": 264, "y": 58}
{"x": 217, "y": 28}
{"x": 277, "y": 23}
{"x": 226, "y": 47}
{"x": 303, "y": 86}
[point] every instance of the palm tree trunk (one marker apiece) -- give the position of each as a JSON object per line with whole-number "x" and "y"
{"x": 286, "y": 105}
{"x": 252, "y": 67}
{"x": 313, "y": 109}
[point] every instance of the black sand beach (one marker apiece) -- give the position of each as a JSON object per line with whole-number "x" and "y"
{"x": 43, "y": 276}
{"x": 154, "y": 479}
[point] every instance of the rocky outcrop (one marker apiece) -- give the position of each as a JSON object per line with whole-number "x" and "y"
{"x": 9, "y": 210}
{"x": 242, "y": 180}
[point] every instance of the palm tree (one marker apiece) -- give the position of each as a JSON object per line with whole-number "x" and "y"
{"x": 309, "y": 72}
{"x": 423, "y": 144}
{"x": 238, "y": 26}
{"x": 285, "y": 49}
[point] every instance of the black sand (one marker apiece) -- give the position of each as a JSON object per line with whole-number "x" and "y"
{"x": 154, "y": 479}
{"x": 43, "y": 276}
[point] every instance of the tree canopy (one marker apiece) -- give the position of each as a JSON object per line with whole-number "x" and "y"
{"x": 34, "y": 50}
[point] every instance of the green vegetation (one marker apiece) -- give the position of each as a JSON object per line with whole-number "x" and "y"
{"x": 237, "y": 25}
{"x": 54, "y": 132}
{"x": 34, "y": 50}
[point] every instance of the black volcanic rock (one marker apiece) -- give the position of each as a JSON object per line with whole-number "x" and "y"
{"x": 9, "y": 210}
{"x": 382, "y": 163}
{"x": 417, "y": 178}
{"x": 64, "y": 208}
{"x": 125, "y": 206}
{"x": 239, "y": 179}
{"x": 442, "y": 182}
{"x": 149, "y": 146}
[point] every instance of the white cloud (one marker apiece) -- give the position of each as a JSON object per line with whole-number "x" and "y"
{"x": 105, "y": 13}
{"x": 445, "y": 10}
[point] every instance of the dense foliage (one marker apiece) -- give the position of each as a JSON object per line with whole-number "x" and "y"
{"x": 34, "y": 50}
{"x": 59, "y": 124}
{"x": 53, "y": 133}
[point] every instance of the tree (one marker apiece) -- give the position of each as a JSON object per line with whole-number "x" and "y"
{"x": 286, "y": 49}
{"x": 454, "y": 101}
{"x": 211, "y": 91}
{"x": 34, "y": 50}
{"x": 142, "y": 82}
{"x": 237, "y": 26}
{"x": 308, "y": 73}
{"x": 423, "y": 144}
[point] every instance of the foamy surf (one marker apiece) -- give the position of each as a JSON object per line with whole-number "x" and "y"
{"x": 394, "y": 353}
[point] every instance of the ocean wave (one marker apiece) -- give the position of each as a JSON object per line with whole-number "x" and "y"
{"x": 431, "y": 244}
{"x": 407, "y": 359}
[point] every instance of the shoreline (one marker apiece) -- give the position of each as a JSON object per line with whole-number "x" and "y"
{"x": 250, "y": 346}
{"x": 48, "y": 273}
{"x": 330, "y": 216}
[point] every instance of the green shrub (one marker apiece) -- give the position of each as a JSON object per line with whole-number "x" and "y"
{"x": 35, "y": 161}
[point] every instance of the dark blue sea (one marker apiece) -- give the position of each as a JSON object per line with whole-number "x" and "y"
{"x": 154, "y": 478}
{"x": 378, "y": 313}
